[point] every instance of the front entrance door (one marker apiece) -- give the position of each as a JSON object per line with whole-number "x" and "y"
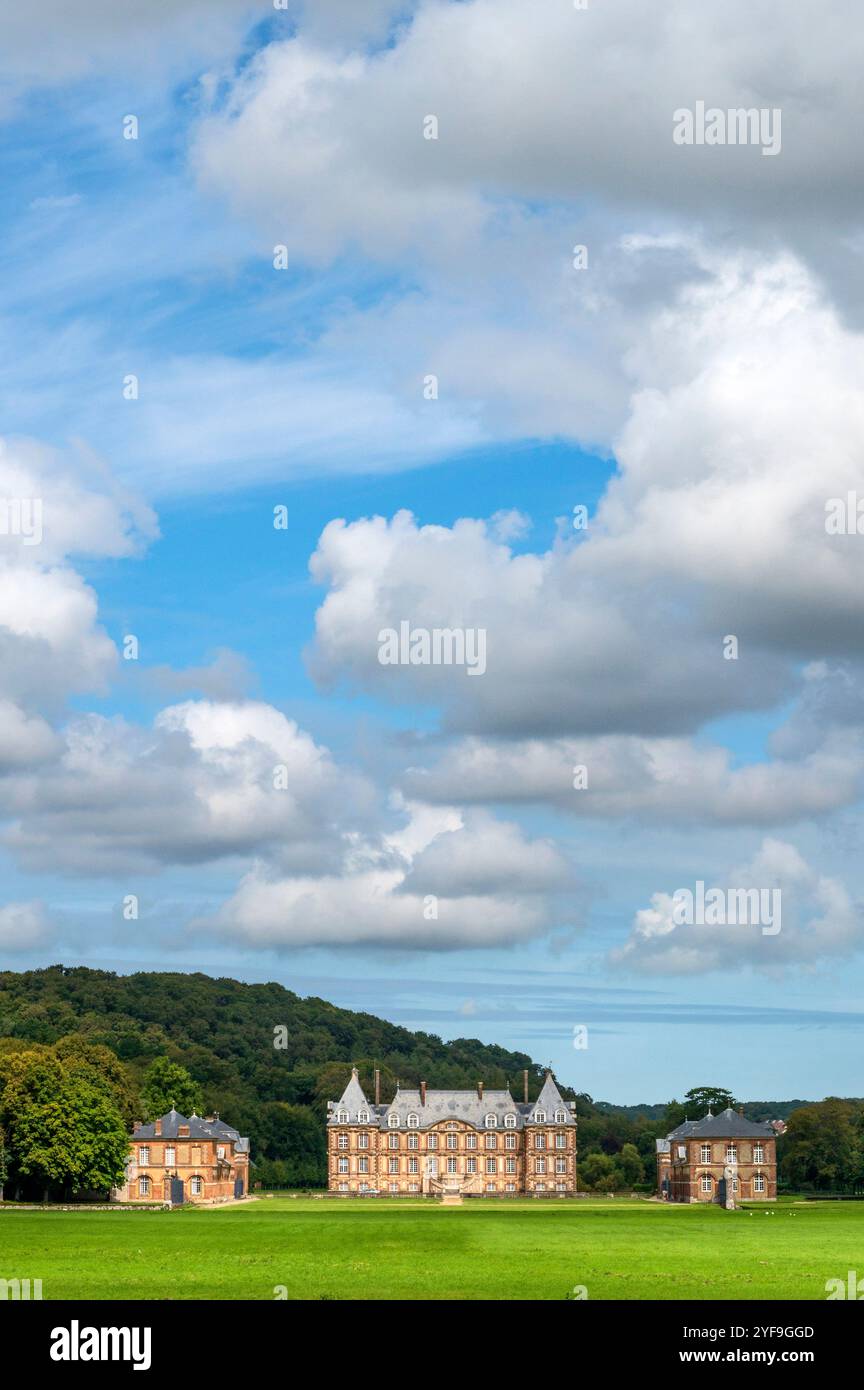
{"x": 177, "y": 1194}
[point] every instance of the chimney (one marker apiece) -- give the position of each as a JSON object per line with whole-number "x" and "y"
{"x": 158, "y": 1126}
{"x": 422, "y": 1092}
{"x": 525, "y": 1086}
{"x": 377, "y": 1087}
{"x": 479, "y": 1090}
{"x": 136, "y": 1128}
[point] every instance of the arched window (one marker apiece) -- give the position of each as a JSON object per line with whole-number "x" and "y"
{"x": 196, "y": 1186}
{"x": 393, "y": 1120}
{"x": 363, "y": 1117}
{"x": 560, "y": 1117}
{"x": 540, "y": 1117}
{"x": 343, "y": 1117}
{"x": 491, "y": 1121}
{"x": 413, "y": 1122}
{"x": 144, "y": 1187}
{"x": 510, "y": 1121}
{"x": 759, "y": 1182}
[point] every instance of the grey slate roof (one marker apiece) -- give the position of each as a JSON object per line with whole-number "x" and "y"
{"x": 198, "y": 1128}
{"x": 447, "y": 1105}
{"x": 728, "y": 1125}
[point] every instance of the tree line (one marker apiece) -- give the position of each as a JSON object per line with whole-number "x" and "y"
{"x": 84, "y": 1053}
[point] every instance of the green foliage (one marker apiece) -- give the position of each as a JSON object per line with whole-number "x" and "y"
{"x": 167, "y": 1085}
{"x": 823, "y": 1147}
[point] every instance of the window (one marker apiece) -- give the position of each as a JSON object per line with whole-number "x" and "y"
{"x": 451, "y": 1165}
{"x": 491, "y": 1141}
{"x": 539, "y": 1141}
{"x": 412, "y": 1187}
{"x": 706, "y": 1182}
{"x": 540, "y": 1187}
{"x": 363, "y": 1117}
{"x": 510, "y": 1165}
{"x": 413, "y": 1141}
{"x": 758, "y": 1153}
{"x": 220, "y": 1150}
{"x": 343, "y": 1165}
{"x": 343, "y": 1187}
{"x": 560, "y": 1187}
{"x": 392, "y": 1165}
{"x": 471, "y": 1141}
{"x": 452, "y": 1141}
{"x": 490, "y": 1187}
{"x": 451, "y": 1124}
{"x": 560, "y": 1117}
{"x": 509, "y": 1141}
{"x": 393, "y": 1121}
{"x": 759, "y": 1182}
{"x": 362, "y": 1141}
{"x": 412, "y": 1165}
{"x": 170, "y": 1156}
{"x": 560, "y": 1165}
{"x": 491, "y": 1121}
{"x": 734, "y": 1184}
{"x": 413, "y": 1122}
{"x": 510, "y": 1121}
{"x": 394, "y": 1187}
{"x": 343, "y": 1117}
{"x": 342, "y": 1141}
{"x": 560, "y": 1141}
{"x": 196, "y": 1186}
{"x": 392, "y": 1141}
{"x": 432, "y": 1141}
{"x": 705, "y": 1153}
{"x": 510, "y": 1187}
{"x": 540, "y": 1117}
{"x": 362, "y": 1165}
{"x": 471, "y": 1165}
{"x": 491, "y": 1165}
{"x": 144, "y": 1187}
{"x": 144, "y": 1156}
{"x": 540, "y": 1165}
{"x": 731, "y": 1153}
{"x": 432, "y": 1167}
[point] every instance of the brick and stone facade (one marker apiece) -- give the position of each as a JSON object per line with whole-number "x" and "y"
{"x": 718, "y": 1157}
{"x": 441, "y": 1143}
{"x": 178, "y": 1159}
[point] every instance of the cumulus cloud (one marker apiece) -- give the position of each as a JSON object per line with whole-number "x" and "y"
{"x": 443, "y": 882}
{"x": 672, "y": 780}
{"x": 817, "y": 919}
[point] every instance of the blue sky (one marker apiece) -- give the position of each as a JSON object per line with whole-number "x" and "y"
{"x": 695, "y": 387}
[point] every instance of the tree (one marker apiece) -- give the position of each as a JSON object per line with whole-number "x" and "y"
{"x": 822, "y": 1145}
{"x": 65, "y": 1132}
{"x": 631, "y": 1166}
{"x": 703, "y": 1098}
{"x": 167, "y": 1084}
{"x": 4, "y": 1164}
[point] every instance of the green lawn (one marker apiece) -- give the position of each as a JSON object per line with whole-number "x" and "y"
{"x": 406, "y": 1250}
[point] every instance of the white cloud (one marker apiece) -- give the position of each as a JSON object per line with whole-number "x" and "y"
{"x": 818, "y": 920}
{"x": 458, "y": 884}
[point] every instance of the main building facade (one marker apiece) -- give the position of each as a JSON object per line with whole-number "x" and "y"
{"x": 436, "y": 1143}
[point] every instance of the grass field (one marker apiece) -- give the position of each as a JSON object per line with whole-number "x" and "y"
{"x": 407, "y": 1250}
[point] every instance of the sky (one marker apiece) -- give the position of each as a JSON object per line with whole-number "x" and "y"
{"x": 317, "y": 320}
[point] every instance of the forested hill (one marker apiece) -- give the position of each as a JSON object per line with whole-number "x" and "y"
{"x": 223, "y": 1032}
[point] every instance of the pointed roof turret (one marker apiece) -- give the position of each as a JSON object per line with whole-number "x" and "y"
{"x": 550, "y": 1102}
{"x": 353, "y": 1098}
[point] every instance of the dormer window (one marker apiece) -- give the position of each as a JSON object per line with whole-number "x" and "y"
{"x": 510, "y": 1121}
{"x": 413, "y": 1122}
{"x": 343, "y": 1117}
{"x": 560, "y": 1117}
{"x": 393, "y": 1121}
{"x": 363, "y": 1117}
{"x": 540, "y": 1117}
{"x": 491, "y": 1121}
